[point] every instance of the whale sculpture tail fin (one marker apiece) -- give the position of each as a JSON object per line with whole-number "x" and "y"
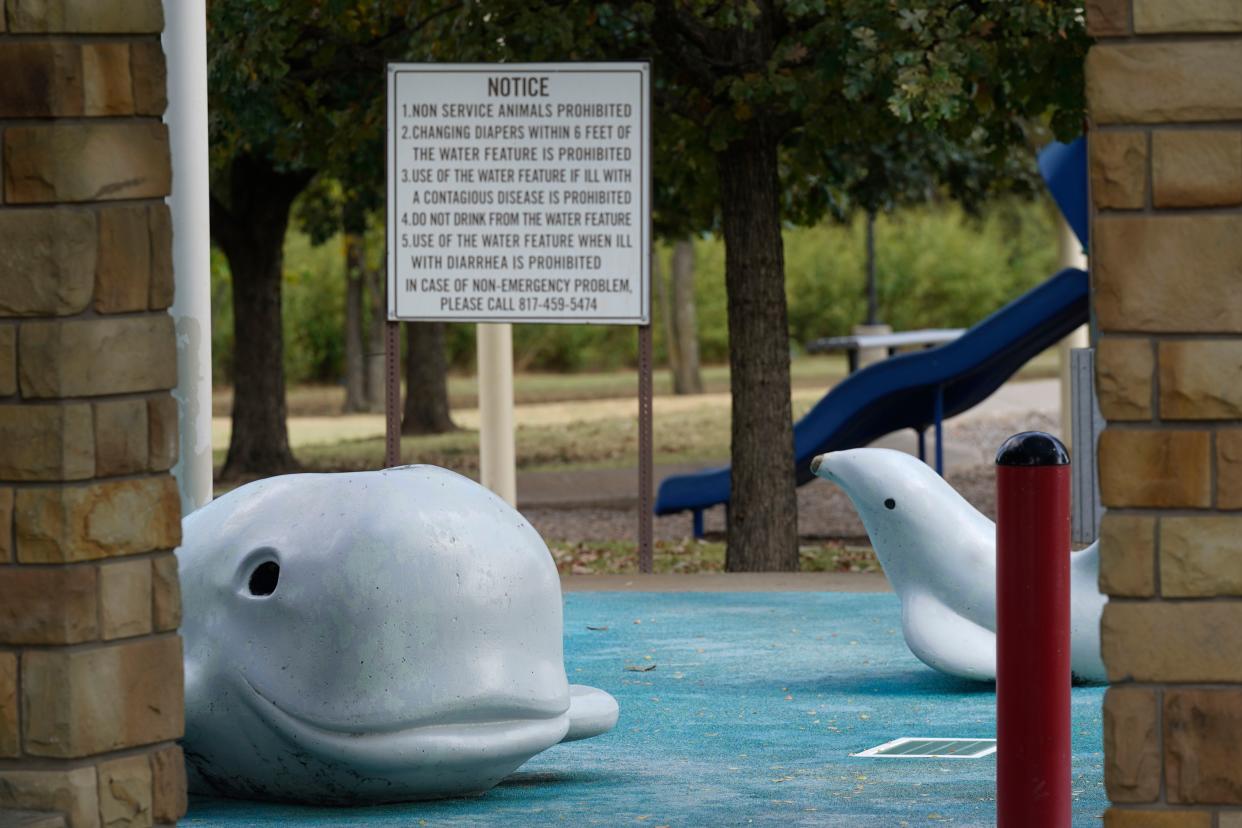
{"x": 591, "y": 712}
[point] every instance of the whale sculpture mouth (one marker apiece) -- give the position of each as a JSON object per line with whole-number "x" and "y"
{"x": 523, "y": 733}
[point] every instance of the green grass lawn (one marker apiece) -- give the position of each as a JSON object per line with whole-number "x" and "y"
{"x": 806, "y": 372}
{"x": 692, "y": 434}
{"x": 535, "y": 387}
{"x": 699, "y": 436}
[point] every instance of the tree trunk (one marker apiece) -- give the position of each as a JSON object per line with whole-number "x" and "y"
{"x": 250, "y": 229}
{"x": 663, "y": 295}
{"x": 763, "y": 514}
{"x": 375, "y": 336}
{"x": 426, "y": 380}
{"x": 687, "y": 378}
{"x": 355, "y": 354}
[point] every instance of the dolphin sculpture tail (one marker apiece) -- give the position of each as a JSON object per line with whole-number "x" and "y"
{"x": 591, "y": 712}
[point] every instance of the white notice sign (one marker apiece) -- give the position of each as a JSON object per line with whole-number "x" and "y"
{"x": 519, "y": 192}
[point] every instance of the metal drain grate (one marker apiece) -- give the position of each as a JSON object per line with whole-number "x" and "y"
{"x": 918, "y": 747}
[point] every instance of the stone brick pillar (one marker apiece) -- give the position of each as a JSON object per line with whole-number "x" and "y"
{"x": 90, "y": 660}
{"x": 1164, "y": 88}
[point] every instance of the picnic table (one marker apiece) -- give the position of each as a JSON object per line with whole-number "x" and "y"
{"x": 893, "y": 342}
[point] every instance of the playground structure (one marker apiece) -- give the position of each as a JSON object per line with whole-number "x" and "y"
{"x": 920, "y": 390}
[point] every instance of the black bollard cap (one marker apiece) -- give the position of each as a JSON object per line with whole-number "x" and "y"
{"x": 1032, "y": 448}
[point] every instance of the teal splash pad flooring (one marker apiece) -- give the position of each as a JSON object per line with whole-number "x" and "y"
{"x": 748, "y": 717}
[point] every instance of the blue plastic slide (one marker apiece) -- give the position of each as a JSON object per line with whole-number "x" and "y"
{"x": 919, "y": 390}
{"x": 1064, "y": 170}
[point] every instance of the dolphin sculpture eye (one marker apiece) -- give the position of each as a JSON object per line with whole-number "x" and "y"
{"x": 890, "y": 504}
{"x": 264, "y": 579}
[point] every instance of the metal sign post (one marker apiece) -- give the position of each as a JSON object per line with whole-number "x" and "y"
{"x": 521, "y": 193}
{"x": 392, "y": 394}
{"x": 646, "y": 562}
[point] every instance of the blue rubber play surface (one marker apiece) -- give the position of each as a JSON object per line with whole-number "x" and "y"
{"x": 748, "y": 716}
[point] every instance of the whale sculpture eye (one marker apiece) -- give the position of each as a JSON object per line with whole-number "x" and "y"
{"x": 264, "y": 579}
{"x": 890, "y": 504}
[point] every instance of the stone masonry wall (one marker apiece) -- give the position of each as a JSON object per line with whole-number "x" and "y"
{"x": 1164, "y": 88}
{"x": 90, "y": 660}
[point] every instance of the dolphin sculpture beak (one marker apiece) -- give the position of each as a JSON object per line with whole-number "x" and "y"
{"x": 816, "y": 462}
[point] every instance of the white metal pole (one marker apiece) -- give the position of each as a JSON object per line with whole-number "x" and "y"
{"x": 1069, "y": 254}
{"x": 185, "y": 49}
{"x": 497, "y": 457}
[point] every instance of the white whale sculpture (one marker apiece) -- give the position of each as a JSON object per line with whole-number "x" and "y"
{"x": 371, "y": 637}
{"x": 939, "y": 554}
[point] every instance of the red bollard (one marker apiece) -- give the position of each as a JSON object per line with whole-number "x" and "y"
{"x": 1033, "y": 633}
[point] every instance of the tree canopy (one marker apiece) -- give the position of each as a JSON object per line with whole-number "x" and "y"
{"x": 876, "y": 102}
{"x": 775, "y": 111}
{"x": 296, "y": 90}
{"x": 768, "y": 112}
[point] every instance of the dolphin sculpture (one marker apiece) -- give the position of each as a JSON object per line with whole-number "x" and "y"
{"x": 939, "y": 554}
{"x": 371, "y": 637}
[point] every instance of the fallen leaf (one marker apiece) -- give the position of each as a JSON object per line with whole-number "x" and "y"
{"x": 596, "y": 629}
{"x": 640, "y": 668}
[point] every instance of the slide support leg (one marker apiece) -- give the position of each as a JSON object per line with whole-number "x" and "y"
{"x": 698, "y": 524}
{"x": 940, "y": 430}
{"x": 922, "y": 443}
